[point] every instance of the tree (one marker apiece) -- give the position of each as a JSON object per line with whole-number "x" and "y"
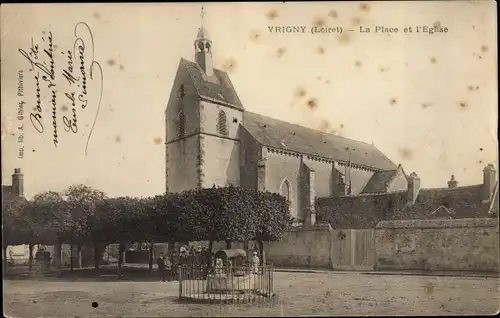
{"x": 273, "y": 214}
{"x": 231, "y": 214}
{"x": 189, "y": 214}
{"x": 81, "y": 201}
{"x": 39, "y": 221}
{"x": 155, "y": 225}
{"x": 50, "y": 216}
{"x": 160, "y": 222}
{"x": 234, "y": 218}
{"x": 118, "y": 220}
{"x": 16, "y": 226}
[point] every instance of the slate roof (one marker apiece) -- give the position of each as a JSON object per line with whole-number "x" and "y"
{"x": 443, "y": 211}
{"x": 379, "y": 181}
{"x": 282, "y": 135}
{"x": 365, "y": 211}
{"x": 221, "y": 90}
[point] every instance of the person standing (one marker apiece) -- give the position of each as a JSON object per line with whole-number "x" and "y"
{"x": 161, "y": 267}
{"x": 255, "y": 263}
{"x": 168, "y": 268}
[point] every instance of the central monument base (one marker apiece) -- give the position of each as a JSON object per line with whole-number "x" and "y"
{"x": 230, "y": 283}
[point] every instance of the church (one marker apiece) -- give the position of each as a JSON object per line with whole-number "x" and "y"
{"x": 211, "y": 139}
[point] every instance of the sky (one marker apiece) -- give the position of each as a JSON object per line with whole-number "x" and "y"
{"x": 427, "y": 101}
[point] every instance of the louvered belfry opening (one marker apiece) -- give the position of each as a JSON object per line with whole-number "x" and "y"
{"x": 182, "y": 123}
{"x": 222, "y": 123}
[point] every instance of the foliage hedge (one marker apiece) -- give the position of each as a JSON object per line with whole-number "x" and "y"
{"x": 85, "y": 216}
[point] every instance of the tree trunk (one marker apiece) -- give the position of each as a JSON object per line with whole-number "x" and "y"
{"x": 121, "y": 248}
{"x": 151, "y": 245}
{"x": 210, "y": 261}
{"x": 247, "y": 250}
{"x": 30, "y": 257}
{"x": 228, "y": 245}
{"x": 171, "y": 249}
{"x": 97, "y": 254}
{"x": 79, "y": 257}
{"x": 71, "y": 257}
{"x": 261, "y": 251}
{"x": 57, "y": 254}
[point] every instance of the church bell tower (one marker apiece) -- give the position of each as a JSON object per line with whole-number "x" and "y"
{"x": 202, "y": 118}
{"x": 203, "y": 50}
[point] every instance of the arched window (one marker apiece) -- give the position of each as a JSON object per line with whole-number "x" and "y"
{"x": 285, "y": 189}
{"x": 222, "y": 123}
{"x": 182, "y": 123}
{"x": 201, "y": 46}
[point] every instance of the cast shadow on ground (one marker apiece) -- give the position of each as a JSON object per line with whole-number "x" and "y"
{"x": 104, "y": 274}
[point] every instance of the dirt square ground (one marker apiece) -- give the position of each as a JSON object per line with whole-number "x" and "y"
{"x": 299, "y": 294}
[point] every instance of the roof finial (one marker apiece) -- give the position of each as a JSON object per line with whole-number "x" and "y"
{"x": 202, "y": 15}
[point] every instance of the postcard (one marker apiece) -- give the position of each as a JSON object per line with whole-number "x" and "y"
{"x": 326, "y": 158}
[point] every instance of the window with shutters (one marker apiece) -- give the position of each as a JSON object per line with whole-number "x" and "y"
{"x": 222, "y": 123}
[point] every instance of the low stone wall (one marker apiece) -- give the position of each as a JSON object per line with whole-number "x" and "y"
{"x": 307, "y": 248}
{"x": 456, "y": 245}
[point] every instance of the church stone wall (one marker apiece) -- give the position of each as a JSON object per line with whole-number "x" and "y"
{"x": 209, "y": 115}
{"x": 221, "y": 161}
{"x": 189, "y": 102}
{"x": 323, "y": 177}
{"x": 250, "y": 154}
{"x": 359, "y": 178}
{"x": 182, "y": 172}
{"x": 280, "y": 167}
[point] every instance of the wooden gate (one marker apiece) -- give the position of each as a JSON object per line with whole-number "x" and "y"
{"x": 353, "y": 249}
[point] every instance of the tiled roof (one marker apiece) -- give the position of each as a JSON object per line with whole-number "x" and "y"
{"x": 366, "y": 211}
{"x": 443, "y": 212}
{"x": 282, "y": 135}
{"x": 465, "y": 202}
{"x": 379, "y": 181}
{"x": 222, "y": 92}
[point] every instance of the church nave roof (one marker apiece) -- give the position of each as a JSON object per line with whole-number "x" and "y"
{"x": 283, "y": 135}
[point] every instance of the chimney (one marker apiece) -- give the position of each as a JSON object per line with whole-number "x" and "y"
{"x": 413, "y": 187}
{"x": 452, "y": 183}
{"x": 18, "y": 182}
{"x": 489, "y": 180}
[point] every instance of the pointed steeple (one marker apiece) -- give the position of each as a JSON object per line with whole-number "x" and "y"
{"x": 203, "y": 49}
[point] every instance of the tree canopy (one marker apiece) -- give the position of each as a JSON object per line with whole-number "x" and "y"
{"x": 82, "y": 215}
